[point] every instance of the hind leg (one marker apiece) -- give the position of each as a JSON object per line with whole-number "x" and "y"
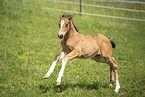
{"x": 112, "y": 73}
{"x": 111, "y": 76}
{"x": 114, "y": 68}
{"x": 99, "y": 58}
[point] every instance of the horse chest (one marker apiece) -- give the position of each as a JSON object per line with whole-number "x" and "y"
{"x": 66, "y": 47}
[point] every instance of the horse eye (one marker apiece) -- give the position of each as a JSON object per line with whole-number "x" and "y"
{"x": 66, "y": 25}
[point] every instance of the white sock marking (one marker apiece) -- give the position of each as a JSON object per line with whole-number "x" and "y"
{"x": 61, "y": 71}
{"x": 117, "y": 86}
{"x": 51, "y": 68}
{"x": 62, "y": 23}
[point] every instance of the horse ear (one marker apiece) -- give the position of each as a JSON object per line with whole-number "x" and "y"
{"x": 71, "y": 16}
{"x": 61, "y": 15}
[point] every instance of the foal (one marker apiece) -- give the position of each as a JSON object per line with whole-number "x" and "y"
{"x": 75, "y": 45}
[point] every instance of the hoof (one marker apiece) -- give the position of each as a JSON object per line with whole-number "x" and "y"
{"x": 58, "y": 83}
{"x": 116, "y": 90}
{"x": 110, "y": 85}
{"x": 46, "y": 76}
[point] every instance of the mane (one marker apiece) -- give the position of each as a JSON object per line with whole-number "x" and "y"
{"x": 64, "y": 15}
{"x": 75, "y": 27}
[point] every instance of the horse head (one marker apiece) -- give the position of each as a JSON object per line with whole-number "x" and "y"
{"x": 64, "y": 24}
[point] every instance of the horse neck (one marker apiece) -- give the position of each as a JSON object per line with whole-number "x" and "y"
{"x": 71, "y": 32}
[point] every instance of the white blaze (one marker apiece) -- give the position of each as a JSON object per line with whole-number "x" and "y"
{"x": 62, "y": 23}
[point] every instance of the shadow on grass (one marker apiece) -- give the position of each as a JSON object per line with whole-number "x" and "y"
{"x": 62, "y": 87}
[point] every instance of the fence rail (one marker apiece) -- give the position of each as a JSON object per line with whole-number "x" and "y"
{"x": 116, "y": 17}
{"x": 97, "y": 6}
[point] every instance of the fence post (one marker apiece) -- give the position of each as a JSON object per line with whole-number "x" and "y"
{"x": 21, "y": 1}
{"x": 81, "y": 7}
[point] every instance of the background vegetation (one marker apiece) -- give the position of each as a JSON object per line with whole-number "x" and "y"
{"x": 28, "y": 44}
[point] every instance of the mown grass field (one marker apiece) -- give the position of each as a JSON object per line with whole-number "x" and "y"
{"x": 29, "y": 42}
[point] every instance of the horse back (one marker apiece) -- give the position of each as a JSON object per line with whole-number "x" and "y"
{"x": 98, "y": 43}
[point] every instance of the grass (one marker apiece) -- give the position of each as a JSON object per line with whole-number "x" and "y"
{"x": 28, "y": 44}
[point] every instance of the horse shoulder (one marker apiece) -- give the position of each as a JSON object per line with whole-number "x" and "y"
{"x": 74, "y": 43}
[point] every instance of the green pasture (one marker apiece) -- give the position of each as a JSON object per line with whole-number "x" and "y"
{"x": 29, "y": 42}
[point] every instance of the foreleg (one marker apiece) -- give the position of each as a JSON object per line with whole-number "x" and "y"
{"x": 57, "y": 57}
{"x": 69, "y": 56}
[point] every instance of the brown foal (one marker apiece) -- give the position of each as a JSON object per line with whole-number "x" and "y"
{"x": 75, "y": 45}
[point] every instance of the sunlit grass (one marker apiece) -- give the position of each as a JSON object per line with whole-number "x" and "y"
{"x": 28, "y": 44}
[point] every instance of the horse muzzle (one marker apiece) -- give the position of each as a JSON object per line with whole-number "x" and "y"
{"x": 60, "y": 36}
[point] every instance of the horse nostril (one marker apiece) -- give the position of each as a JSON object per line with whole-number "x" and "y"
{"x": 61, "y": 36}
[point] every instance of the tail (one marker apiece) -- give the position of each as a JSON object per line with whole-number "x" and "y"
{"x": 112, "y": 42}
